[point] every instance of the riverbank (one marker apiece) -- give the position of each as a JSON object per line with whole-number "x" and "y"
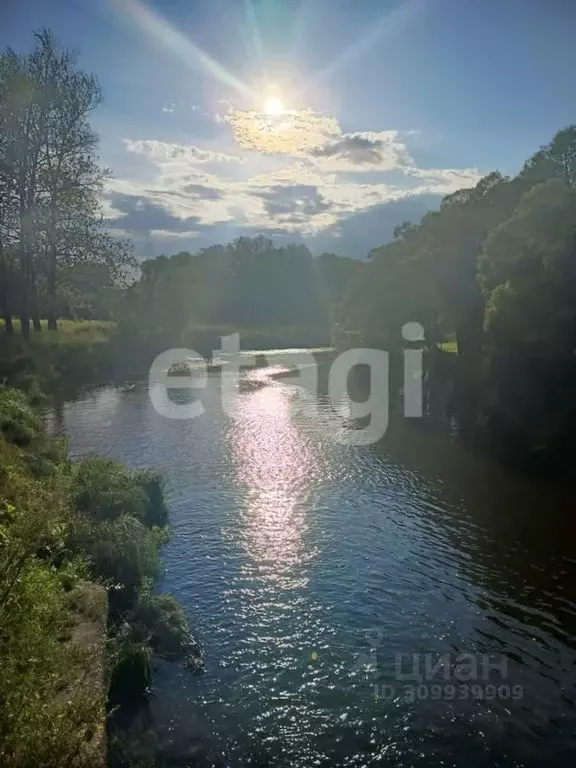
{"x": 63, "y": 525}
{"x": 78, "y": 354}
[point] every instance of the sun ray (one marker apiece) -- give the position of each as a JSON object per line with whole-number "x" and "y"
{"x": 389, "y": 24}
{"x": 176, "y": 42}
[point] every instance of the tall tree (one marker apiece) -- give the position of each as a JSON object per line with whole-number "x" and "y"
{"x": 50, "y": 214}
{"x": 528, "y": 274}
{"x": 70, "y": 180}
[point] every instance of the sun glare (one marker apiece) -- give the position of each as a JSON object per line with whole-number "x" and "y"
{"x": 274, "y": 106}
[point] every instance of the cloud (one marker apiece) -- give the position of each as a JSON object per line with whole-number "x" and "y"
{"x": 295, "y": 133}
{"x": 298, "y": 174}
{"x": 165, "y": 152}
{"x": 306, "y": 134}
{"x": 139, "y": 214}
{"x": 202, "y": 192}
{"x": 293, "y": 203}
{"x": 367, "y": 148}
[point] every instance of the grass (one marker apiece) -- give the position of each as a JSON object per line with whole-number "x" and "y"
{"x": 80, "y": 352}
{"x": 62, "y": 524}
{"x": 69, "y": 331}
{"x": 449, "y": 346}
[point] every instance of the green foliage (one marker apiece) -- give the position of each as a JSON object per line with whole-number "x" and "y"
{"x": 19, "y": 424}
{"x": 77, "y": 354}
{"x": 528, "y": 272}
{"x": 152, "y": 484}
{"x": 43, "y": 718}
{"x": 104, "y": 490}
{"x": 155, "y": 626}
{"x": 248, "y": 284}
{"x": 121, "y": 552}
{"x": 61, "y": 523}
{"x": 494, "y": 268}
{"x": 47, "y": 718}
{"x": 162, "y": 620}
{"x": 56, "y": 256}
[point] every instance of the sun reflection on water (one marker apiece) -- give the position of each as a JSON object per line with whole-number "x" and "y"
{"x": 274, "y": 463}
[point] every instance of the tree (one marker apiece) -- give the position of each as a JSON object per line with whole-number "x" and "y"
{"x": 528, "y": 274}
{"x": 70, "y": 181}
{"x": 22, "y": 113}
{"x": 50, "y": 214}
{"x": 554, "y": 160}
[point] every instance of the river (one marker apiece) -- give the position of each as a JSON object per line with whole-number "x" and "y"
{"x": 314, "y": 571}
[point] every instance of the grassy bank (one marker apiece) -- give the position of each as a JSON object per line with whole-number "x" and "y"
{"x": 77, "y": 354}
{"x": 65, "y": 525}
{"x": 88, "y": 352}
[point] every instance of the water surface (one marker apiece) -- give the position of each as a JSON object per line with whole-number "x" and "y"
{"x": 306, "y": 566}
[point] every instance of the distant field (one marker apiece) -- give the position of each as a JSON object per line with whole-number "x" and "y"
{"x": 69, "y": 331}
{"x": 449, "y": 346}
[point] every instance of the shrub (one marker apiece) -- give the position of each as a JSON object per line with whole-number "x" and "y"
{"x": 105, "y": 489}
{"x": 121, "y": 552}
{"x": 60, "y": 523}
{"x": 162, "y": 620}
{"x": 18, "y": 422}
{"x": 43, "y": 720}
{"x": 152, "y": 484}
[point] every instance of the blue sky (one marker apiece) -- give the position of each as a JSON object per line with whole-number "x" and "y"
{"x": 388, "y": 105}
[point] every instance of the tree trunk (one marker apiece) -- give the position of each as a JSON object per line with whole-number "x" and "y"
{"x": 25, "y": 326}
{"x": 34, "y": 311}
{"x": 51, "y": 290}
{"x": 23, "y": 297}
{"x": 4, "y": 290}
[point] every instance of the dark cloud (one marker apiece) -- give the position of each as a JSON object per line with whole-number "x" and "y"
{"x": 355, "y": 148}
{"x": 202, "y": 192}
{"x": 358, "y": 233}
{"x": 293, "y": 203}
{"x": 355, "y": 235}
{"x": 139, "y": 214}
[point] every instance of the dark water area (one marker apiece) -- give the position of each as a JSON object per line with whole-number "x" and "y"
{"x": 313, "y": 571}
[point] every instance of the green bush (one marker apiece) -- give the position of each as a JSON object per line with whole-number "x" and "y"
{"x": 18, "y": 422}
{"x": 123, "y": 553}
{"x": 104, "y": 490}
{"x": 44, "y": 720}
{"x": 162, "y": 620}
{"x": 62, "y": 522}
{"x": 152, "y": 484}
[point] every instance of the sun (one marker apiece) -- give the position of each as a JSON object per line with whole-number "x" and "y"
{"x": 273, "y": 106}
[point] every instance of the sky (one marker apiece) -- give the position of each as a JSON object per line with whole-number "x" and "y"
{"x": 322, "y": 121}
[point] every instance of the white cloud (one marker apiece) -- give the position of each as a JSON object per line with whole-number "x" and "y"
{"x": 163, "y": 151}
{"x": 294, "y": 133}
{"x": 319, "y": 176}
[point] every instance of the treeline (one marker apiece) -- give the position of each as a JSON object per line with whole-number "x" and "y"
{"x": 495, "y": 266}
{"x": 272, "y": 295}
{"x": 56, "y": 257}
